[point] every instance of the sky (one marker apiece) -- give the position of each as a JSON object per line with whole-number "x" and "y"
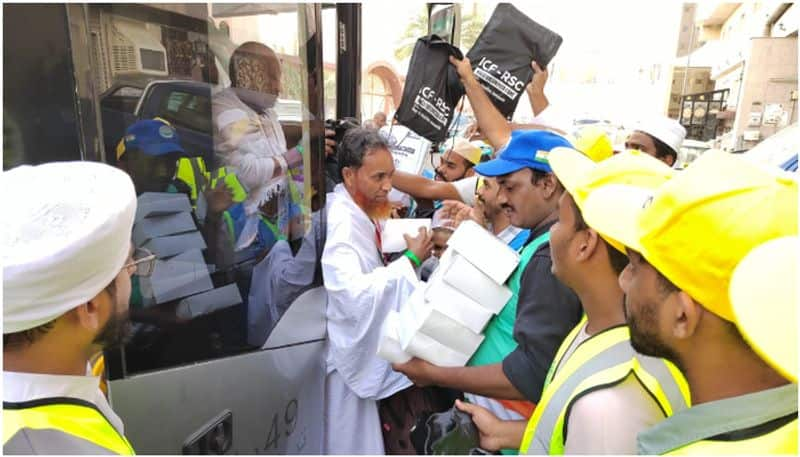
{"x": 612, "y": 40}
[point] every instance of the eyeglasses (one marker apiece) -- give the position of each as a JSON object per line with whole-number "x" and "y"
{"x": 144, "y": 262}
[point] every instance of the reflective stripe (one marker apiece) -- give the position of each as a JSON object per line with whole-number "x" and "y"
{"x": 238, "y": 191}
{"x": 692, "y": 430}
{"x": 656, "y": 384}
{"x": 46, "y": 441}
{"x": 274, "y": 228}
{"x": 84, "y": 422}
{"x": 562, "y": 350}
{"x": 603, "y": 360}
{"x": 231, "y": 230}
{"x": 782, "y": 441}
{"x": 600, "y": 352}
{"x": 192, "y": 171}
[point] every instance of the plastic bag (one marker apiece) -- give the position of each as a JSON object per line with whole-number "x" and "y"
{"x": 502, "y": 54}
{"x": 451, "y": 432}
{"x": 432, "y": 89}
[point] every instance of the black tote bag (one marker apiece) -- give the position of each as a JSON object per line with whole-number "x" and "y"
{"x": 502, "y": 54}
{"x": 432, "y": 89}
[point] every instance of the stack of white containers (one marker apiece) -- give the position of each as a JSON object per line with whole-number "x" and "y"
{"x": 443, "y": 320}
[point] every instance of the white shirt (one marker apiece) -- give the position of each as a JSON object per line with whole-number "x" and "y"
{"x": 250, "y": 142}
{"x": 509, "y": 233}
{"x": 466, "y": 189}
{"x": 21, "y": 387}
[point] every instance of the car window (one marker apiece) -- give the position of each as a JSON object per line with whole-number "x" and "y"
{"x": 187, "y": 110}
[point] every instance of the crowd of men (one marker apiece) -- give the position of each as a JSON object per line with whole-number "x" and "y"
{"x": 644, "y": 316}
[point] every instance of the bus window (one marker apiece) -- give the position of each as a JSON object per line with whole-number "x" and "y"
{"x": 224, "y": 172}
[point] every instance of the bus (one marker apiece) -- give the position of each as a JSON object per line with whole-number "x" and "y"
{"x": 224, "y": 357}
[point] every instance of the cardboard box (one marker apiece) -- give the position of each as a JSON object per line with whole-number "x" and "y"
{"x": 208, "y": 302}
{"x": 181, "y": 276}
{"x": 158, "y": 226}
{"x": 484, "y": 250}
{"x": 427, "y": 348}
{"x": 389, "y": 344}
{"x": 152, "y": 204}
{"x": 418, "y": 316}
{"x": 392, "y": 234}
{"x": 473, "y": 283}
{"x": 459, "y": 307}
{"x": 168, "y": 246}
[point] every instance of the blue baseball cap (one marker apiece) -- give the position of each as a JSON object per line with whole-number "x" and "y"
{"x": 526, "y": 149}
{"x": 154, "y": 137}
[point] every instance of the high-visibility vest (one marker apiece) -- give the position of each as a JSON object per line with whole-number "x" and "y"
{"x": 605, "y": 359}
{"x": 778, "y": 442}
{"x": 499, "y": 339}
{"x": 59, "y": 426}
{"x": 193, "y": 172}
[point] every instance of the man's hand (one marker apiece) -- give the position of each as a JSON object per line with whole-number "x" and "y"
{"x": 421, "y": 245}
{"x": 330, "y": 144}
{"x": 399, "y": 210}
{"x": 417, "y": 370}
{"x": 219, "y": 198}
{"x": 463, "y": 68}
{"x": 472, "y": 131}
{"x": 535, "y": 89}
{"x": 490, "y": 428}
{"x": 536, "y": 86}
{"x": 458, "y": 212}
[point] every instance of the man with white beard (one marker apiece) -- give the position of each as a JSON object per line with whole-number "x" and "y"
{"x": 362, "y": 289}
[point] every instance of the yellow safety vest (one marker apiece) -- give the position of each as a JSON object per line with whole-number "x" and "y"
{"x": 778, "y": 442}
{"x": 605, "y": 359}
{"x": 61, "y": 426}
{"x": 193, "y": 172}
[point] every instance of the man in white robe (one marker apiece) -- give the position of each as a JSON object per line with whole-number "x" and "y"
{"x": 362, "y": 289}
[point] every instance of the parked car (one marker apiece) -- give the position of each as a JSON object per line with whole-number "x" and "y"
{"x": 185, "y": 104}
{"x": 779, "y": 150}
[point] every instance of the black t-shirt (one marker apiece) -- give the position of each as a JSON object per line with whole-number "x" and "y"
{"x": 546, "y": 312}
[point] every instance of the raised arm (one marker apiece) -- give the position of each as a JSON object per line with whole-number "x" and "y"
{"x": 491, "y": 123}
{"x": 421, "y": 187}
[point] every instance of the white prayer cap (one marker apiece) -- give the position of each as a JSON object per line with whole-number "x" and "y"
{"x": 66, "y": 236}
{"x": 669, "y": 131}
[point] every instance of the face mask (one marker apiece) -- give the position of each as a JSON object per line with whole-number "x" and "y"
{"x": 256, "y": 100}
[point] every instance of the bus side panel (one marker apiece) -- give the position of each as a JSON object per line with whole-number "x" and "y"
{"x": 282, "y": 414}
{"x": 276, "y": 395}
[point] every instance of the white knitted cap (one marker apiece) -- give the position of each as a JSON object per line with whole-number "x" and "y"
{"x": 66, "y": 236}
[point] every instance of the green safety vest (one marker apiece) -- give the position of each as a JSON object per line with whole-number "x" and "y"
{"x": 778, "y": 442}
{"x": 59, "y": 426}
{"x": 758, "y": 423}
{"x": 603, "y": 360}
{"x": 498, "y": 339}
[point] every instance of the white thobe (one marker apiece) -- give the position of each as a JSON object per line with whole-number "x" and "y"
{"x": 250, "y": 141}
{"x": 361, "y": 292}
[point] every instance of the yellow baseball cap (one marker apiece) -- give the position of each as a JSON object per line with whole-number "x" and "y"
{"x": 467, "y": 150}
{"x": 580, "y": 176}
{"x": 697, "y": 226}
{"x": 594, "y": 142}
{"x": 763, "y": 292}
